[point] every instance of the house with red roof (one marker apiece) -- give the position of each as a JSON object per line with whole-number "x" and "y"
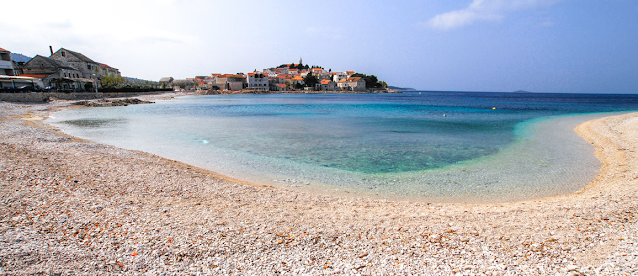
{"x": 257, "y": 81}
{"x": 297, "y": 80}
{"x": 231, "y": 82}
{"x": 326, "y": 85}
{"x": 338, "y": 76}
{"x": 352, "y": 84}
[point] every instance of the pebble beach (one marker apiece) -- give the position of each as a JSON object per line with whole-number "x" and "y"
{"x": 74, "y": 207}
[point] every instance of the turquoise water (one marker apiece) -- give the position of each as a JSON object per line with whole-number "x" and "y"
{"x": 431, "y": 146}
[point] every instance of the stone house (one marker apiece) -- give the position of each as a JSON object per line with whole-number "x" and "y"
{"x": 352, "y": 84}
{"x": 326, "y": 85}
{"x": 56, "y": 73}
{"x": 166, "y": 81}
{"x": 357, "y": 83}
{"x": 85, "y": 65}
{"x": 231, "y": 82}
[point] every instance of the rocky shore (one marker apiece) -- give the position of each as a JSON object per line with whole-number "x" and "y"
{"x": 74, "y": 207}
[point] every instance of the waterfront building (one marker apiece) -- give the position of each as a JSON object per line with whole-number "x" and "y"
{"x": 257, "y": 80}
{"x": 88, "y": 67}
{"x": 56, "y": 73}
{"x": 6, "y": 65}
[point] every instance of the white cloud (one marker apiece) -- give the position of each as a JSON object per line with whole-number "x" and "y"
{"x": 484, "y": 10}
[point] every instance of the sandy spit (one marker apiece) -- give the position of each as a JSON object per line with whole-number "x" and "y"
{"x": 70, "y": 206}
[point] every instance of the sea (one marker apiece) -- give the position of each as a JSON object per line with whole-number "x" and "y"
{"x": 470, "y": 147}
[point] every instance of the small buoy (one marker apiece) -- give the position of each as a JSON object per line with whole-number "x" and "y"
{"x": 493, "y": 108}
{"x": 444, "y": 115}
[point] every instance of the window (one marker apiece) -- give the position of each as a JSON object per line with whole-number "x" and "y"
{"x": 88, "y": 66}
{"x": 63, "y": 54}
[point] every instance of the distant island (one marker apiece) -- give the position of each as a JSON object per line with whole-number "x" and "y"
{"x": 401, "y": 88}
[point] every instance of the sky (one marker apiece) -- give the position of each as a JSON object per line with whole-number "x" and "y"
{"x": 563, "y": 46}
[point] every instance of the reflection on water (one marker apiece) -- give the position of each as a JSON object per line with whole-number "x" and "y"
{"x": 94, "y": 123}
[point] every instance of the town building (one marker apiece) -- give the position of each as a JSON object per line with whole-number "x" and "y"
{"x": 338, "y": 76}
{"x": 326, "y": 85}
{"x": 57, "y": 74}
{"x": 352, "y": 84}
{"x": 257, "y": 81}
{"x": 87, "y": 67}
{"x": 231, "y": 82}
{"x": 6, "y": 65}
{"x": 297, "y": 80}
{"x": 166, "y": 81}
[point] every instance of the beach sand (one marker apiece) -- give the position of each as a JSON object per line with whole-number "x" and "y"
{"x": 72, "y": 206}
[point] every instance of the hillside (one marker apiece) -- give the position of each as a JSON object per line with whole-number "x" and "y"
{"x": 19, "y": 57}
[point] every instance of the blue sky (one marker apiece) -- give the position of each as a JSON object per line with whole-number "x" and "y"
{"x": 474, "y": 45}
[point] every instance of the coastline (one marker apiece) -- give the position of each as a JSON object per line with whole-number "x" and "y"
{"x": 78, "y": 206}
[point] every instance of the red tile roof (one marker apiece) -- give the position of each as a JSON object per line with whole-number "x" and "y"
{"x": 3, "y": 50}
{"x": 325, "y": 81}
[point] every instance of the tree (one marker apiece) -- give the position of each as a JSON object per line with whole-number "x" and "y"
{"x": 112, "y": 80}
{"x": 310, "y": 80}
{"x": 371, "y": 81}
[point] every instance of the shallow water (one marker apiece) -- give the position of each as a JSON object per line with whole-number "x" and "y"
{"x": 446, "y": 147}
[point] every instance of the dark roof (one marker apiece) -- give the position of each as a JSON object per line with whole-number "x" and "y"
{"x": 79, "y": 55}
{"x": 54, "y": 62}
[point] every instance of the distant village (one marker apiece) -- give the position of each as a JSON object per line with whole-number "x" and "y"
{"x": 65, "y": 70}
{"x": 289, "y": 77}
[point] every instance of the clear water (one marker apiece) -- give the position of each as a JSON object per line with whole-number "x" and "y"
{"x": 432, "y": 146}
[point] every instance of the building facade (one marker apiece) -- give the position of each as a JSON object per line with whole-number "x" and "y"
{"x": 6, "y": 65}
{"x": 56, "y": 74}
{"x": 87, "y": 67}
{"x": 257, "y": 80}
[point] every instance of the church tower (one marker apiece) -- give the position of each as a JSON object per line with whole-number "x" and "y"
{"x": 300, "y": 60}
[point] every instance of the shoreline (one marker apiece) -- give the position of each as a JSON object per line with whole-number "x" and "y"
{"x": 77, "y": 206}
{"x": 559, "y": 166}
